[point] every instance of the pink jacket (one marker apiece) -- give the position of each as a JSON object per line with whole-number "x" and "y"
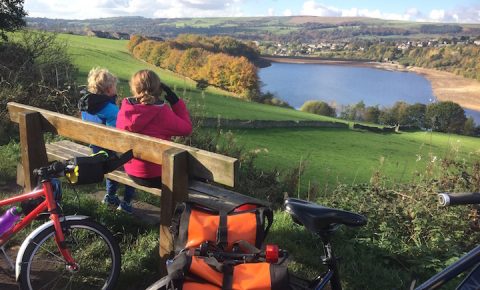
{"x": 159, "y": 121}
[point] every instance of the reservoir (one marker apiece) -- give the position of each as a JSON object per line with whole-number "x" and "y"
{"x": 346, "y": 85}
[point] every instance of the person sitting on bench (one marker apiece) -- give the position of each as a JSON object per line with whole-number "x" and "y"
{"x": 98, "y": 105}
{"x": 147, "y": 114}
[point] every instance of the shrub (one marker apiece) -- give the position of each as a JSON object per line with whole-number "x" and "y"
{"x": 37, "y": 71}
{"x": 269, "y": 185}
{"x": 270, "y": 99}
{"x": 406, "y": 235}
{"x": 202, "y": 84}
{"x": 445, "y": 117}
{"x": 319, "y": 108}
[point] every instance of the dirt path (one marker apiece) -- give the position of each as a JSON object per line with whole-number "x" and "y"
{"x": 446, "y": 86}
{"x": 7, "y": 276}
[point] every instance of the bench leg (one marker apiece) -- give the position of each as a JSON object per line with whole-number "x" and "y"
{"x": 174, "y": 189}
{"x": 34, "y": 154}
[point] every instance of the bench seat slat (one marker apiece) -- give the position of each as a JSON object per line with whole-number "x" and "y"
{"x": 63, "y": 150}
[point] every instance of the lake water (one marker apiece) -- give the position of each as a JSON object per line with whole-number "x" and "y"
{"x": 346, "y": 85}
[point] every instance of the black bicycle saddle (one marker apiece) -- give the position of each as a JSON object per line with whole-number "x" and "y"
{"x": 317, "y": 218}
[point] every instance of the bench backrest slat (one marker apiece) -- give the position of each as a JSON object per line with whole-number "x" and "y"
{"x": 201, "y": 164}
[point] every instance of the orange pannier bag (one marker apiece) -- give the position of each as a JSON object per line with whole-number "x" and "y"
{"x": 194, "y": 224}
{"x": 206, "y": 273}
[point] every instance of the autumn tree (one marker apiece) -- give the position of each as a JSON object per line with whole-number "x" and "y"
{"x": 194, "y": 56}
{"x": 134, "y": 41}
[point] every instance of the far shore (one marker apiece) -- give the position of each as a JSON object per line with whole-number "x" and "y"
{"x": 446, "y": 86}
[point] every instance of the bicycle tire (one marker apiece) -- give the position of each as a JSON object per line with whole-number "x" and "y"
{"x": 92, "y": 246}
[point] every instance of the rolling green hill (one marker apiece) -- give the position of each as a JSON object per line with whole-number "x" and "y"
{"x": 277, "y": 28}
{"x": 332, "y": 155}
{"x": 88, "y": 52}
{"x": 406, "y": 236}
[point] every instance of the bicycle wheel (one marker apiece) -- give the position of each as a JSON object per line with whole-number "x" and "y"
{"x": 92, "y": 246}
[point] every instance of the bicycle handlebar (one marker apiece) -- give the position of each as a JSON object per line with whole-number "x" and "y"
{"x": 447, "y": 199}
{"x": 53, "y": 170}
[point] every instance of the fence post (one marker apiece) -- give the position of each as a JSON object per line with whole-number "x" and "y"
{"x": 174, "y": 189}
{"x": 32, "y": 145}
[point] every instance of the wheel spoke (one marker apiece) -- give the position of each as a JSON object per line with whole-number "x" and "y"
{"x": 90, "y": 244}
{"x": 60, "y": 259}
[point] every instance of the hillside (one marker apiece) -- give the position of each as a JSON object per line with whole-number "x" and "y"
{"x": 287, "y": 28}
{"x": 332, "y": 155}
{"x": 88, "y": 52}
{"x": 390, "y": 178}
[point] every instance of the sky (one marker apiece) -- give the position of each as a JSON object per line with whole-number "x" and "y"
{"x": 456, "y": 11}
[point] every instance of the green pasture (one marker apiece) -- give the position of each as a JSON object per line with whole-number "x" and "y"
{"x": 332, "y": 155}
{"x": 335, "y": 156}
{"x": 88, "y": 52}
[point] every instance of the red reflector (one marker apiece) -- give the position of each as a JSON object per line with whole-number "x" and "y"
{"x": 271, "y": 253}
{"x": 246, "y": 206}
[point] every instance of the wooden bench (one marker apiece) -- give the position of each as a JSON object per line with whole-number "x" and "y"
{"x": 65, "y": 149}
{"x": 181, "y": 164}
{"x": 197, "y": 191}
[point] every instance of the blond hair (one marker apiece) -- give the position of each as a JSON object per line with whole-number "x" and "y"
{"x": 146, "y": 86}
{"x": 100, "y": 80}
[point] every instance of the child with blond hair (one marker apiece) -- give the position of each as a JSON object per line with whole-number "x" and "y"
{"x": 98, "y": 105}
{"x": 146, "y": 113}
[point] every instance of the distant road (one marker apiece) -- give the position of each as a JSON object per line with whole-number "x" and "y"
{"x": 446, "y": 86}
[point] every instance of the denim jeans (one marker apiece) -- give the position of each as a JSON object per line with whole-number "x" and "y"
{"x": 111, "y": 185}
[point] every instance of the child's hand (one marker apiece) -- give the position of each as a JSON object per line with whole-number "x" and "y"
{"x": 170, "y": 96}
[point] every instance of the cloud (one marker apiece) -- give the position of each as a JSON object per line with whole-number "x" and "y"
{"x": 460, "y": 14}
{"x": 83, "y": 9}
{"x": 437, "y": 15}
{"x": 287, "y": 12}
{"x": 314, "y": 9}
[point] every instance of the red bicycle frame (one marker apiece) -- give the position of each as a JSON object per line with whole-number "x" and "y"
{"x": 48, "y": 204}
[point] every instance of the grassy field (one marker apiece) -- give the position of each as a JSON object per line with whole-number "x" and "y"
{"x": 331, "y": 156}
{"x": 344, "y": 156}
{"x": 88, "y": 52}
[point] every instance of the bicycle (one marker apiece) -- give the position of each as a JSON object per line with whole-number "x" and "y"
{"x": 320, "y": 220}
{"x": 324, "y": 221}
{"x": 67, "y": 252}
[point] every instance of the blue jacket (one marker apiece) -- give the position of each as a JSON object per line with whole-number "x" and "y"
{"x": 99, "y": 109}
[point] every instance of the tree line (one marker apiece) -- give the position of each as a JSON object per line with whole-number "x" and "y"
{"x": 219, "y": 61}
{"x": 446, "y": 117}
{"x": 461, "y": 59}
